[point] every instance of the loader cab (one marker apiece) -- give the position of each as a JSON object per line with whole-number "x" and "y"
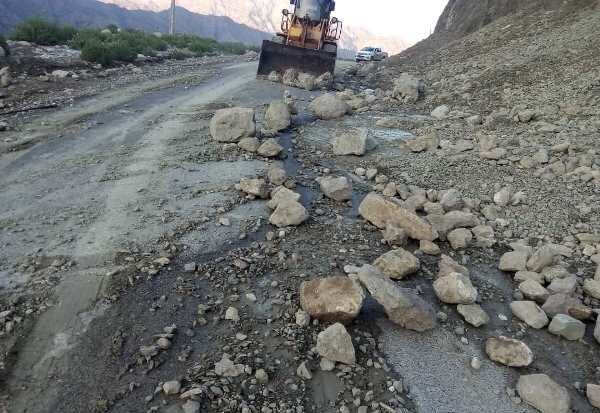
{"x": 315, "y": 10}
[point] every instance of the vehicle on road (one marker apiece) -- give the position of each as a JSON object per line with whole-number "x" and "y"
{"x": 307, "y": 41}
{"x": 370, "y": 54}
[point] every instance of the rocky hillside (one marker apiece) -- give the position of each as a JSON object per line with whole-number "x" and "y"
{"x": 264, "y": 15}
{"x": 85, "y": 13}
{"x": 467, "y": 16}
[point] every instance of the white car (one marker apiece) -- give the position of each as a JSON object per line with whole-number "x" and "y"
{"x": 370, "y": 54}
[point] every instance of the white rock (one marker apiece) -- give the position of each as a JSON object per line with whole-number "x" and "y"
{"x": 328, "y": 106}
{"x": 171, "y": 387}
{"x": 350, "y": 142}
{"x": 226, "y": 368}
{"x": 288, "y": 213}
{"x": 441, "y": 112}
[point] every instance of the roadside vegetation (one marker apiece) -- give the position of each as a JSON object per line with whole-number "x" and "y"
{"x": 3, "y": 45}
{"x": 111, "y": 44}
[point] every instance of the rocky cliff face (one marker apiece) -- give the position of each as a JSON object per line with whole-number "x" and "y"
{"x": 467, "y": 16}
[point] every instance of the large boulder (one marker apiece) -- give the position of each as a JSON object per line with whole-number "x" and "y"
{"x": 351, "y": 142}
{"x": 408, "y": 88}
{"x": 324, "y": 81}
{"x": 508, "y": 351}
{"x": 402, "y": 305}
{"x": 332, "y": 299}
{"x": 338, "y": 189}
{"x": 278, "y": 116}
{"x": 397, "y": 263}
{"x": 328, "y": 106}
{"x": 335, "y": 344}
{"x": 543, "y": 393}
{"x": 455, "y": 288}
{"x": 290, "y": 76}
{"x": 288, "y": 213}
{"x": 233, "y": 124}
{"x": 381, "y": 211}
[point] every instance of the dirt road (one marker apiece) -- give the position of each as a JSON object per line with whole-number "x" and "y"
{"x": 121, "y": 226}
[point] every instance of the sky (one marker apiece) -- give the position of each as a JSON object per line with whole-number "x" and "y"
{"x": 412, "y": 20}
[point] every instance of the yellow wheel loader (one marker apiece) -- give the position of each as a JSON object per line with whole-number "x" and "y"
{"x": 307, "y": 41}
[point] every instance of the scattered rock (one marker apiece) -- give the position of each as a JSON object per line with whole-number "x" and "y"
{"x": 335, "y": 344}
{"x": 508, "y": 351}
{"x": 338, "y": 189}
{"x": 397, "y": 263}
{"x": 270, "y": 148}
{"x": 593, "y": 394}
{"x": 592, "y": 288}
{"x": 226, "y": 368}
{"x": 460, "y": 238}
{"x": 256, "y": 186}
{"x": 513, "y": 261}
{"x": 328, "y": 106}
{"x": 429, "y": 248}
{"x": 350, "y": 142}
{"x": 233, "y": 124}
{"x": 455, "y": 288}
{"x": 275, "y": 77}
{"x": 567, "y": 327}
{"x": 382, "y": 212}
{"x": 530, "y": 313}
{"x": 278, "y": 116}
{"x": 408, "y": 88}
{"x": 288, "y": 213}
{"x": 534, "y": 291}
{"x": 473, "y": 314}
{"x": 277, "y": 175}
{"x": 171, "y": 387}
{"x": 543, "y": 257}
{"x": 403, "y": 306}
{"x": 333, "y": 299}
{"x": 543, "y": 393}
{"x": 441, "y": 112}
{"x": 249, "y": 144}
{"x": 282, "y": 194}
{"x": 306, "y": 81}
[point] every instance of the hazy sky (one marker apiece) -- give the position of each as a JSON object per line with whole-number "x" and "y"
{"x": 410, "y": 19}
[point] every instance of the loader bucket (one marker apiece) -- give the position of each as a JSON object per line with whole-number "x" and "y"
{"x": 279, "y": 57}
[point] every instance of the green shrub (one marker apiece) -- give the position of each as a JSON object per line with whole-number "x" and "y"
{"x": 40, "y": 31}
{"x": 4, "y": 45}
{"x": 233, "y": 48}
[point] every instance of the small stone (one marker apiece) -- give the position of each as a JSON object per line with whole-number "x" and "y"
{"x": 543, "y": 257}
{"x": 257, "y": 187}
{"x": 534, "y": 291}
{"x": 335, "y": 344}
{"x": 350, "y": 142}
{"x": 593, "y": 394}
{"x": 395, "y": 235}
{"x": 270, "y": 148}
{"x": 332, "y": 299}
{"x": 191, "y": 406}
{"x": 455, "y": 288}
{"x": 397, "y": 263}
{"x": 429, "y": 247}
{"x": 567, "y": 327}
{"x": 473, "y": 314}
{"x": 543, "y": 393}
{"x": 403, "y": 306}
{"x": 277, "y": 175}
{"x": 261, "y": 376}
{"x": 522, "y": 276}
{"x": 592, "y": 288}
{"x": 475, "y": 363}
{"x": 302, "y": 318}
{"x": 171, "y": 387}
{"x": 226, "y": 368}
{"x": 232, "y": 314}
{"x": 303, "y": 372}
{"x": 249, "y": 144}
{"x": 508, "y": 351}
{"x": 530, "y": 313}
{"x": 441, "y": 112}
{"x": 189, "y": 267}
{"x": 513, "y": 261}
{"x": 288, "y": 213}
{"x": 460, "y": 238}
{"x": 339, "y": 189}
